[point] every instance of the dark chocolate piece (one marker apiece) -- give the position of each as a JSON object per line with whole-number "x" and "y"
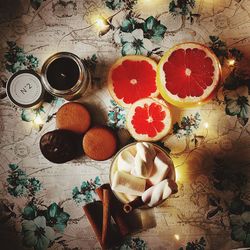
{"x": 60, "y": 145}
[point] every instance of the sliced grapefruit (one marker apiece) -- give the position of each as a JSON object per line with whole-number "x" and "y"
{"x": 149, "y": 120}
{"x": 188, "y": 74}
{"x": 132, "y": 78}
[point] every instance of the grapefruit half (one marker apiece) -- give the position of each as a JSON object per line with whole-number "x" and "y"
{"x": 188, "y": 74}
{"x": 132, "y": 78}
{"x": 149, "y": 120}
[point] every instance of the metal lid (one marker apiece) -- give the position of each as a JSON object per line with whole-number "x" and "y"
{"x": 24, "y": 88}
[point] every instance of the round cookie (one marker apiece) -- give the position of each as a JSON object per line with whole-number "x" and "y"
{"x": 60, "y": 146}
{"x": 99, "y": 143}
{"x": 73, "y": 116}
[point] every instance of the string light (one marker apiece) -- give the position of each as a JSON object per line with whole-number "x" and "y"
{"x": 101, "y": 23}
{"x": 231, "y": 62}
{"x": 38, "y": 120}
{"x": 206, "y": 125}
{"x": 177, "y": 236}
{"x": 177, "y": 174}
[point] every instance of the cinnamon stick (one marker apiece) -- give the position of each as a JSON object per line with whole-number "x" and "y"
{"x": 137, "y": 202}
{"x": 116, "y": 209}
{"x": 93, "y": 212}
{"x": 106, "y": 217}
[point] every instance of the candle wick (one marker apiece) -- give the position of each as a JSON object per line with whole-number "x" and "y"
{"x": 62, "y": 75}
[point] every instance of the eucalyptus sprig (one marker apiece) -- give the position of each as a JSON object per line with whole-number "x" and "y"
{"x": 222, "y": 51}
{"x": 184, "y": 8}
{"x": 16, "y": 58}
{"x": 195, "y": 245}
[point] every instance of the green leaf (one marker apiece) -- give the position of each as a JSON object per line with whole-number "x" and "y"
{"x": 28, "y": 115}
{"x": 94, "y": 58}
{"x": 87, "y": 191}
{"x": 56, "y": 217}
{"x": 214, "y": 38}
{"x": 150, "y": 23}
{"x": 222, "y": 51}
{"x": 63, "y": 217}
{"x": 172, "y": 7}
{"x": 237, "y": 206}
{"x": 196, "y": 245}
{"x": 13, "y": 167}
{"x": 128, "y": 25}
{"x": 30, "y": 212}
{"x": 61, "y": 221}
{"x": 160, "y": 30}
{"x": 97, "y": 181}
{"x": 53, "y": 210}
{"x": 232, "y": 82}
{"x": 11, "y": 44}
{"x": 75, "y": 191}
{"x": 153, "y": 29}
{"x": 34, "y": 185}
{"x": 59, "y": 227}
{"x": 17, "y": 59}
{"x": 128, "y": 49}
{"x": 114, "y": 4}
{"x": 91, "y": 62}
{"x": 183, "y": 7}
{"x": 237, "y": 54}
{"x": 19, "y": 190}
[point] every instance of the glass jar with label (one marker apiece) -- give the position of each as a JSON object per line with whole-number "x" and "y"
{"x": 64, "y": 75}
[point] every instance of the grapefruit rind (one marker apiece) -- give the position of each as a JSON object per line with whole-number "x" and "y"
{"x": 167, "y": 121}
{"x": 119, "y": 62}
{"x": 188, "y": 101}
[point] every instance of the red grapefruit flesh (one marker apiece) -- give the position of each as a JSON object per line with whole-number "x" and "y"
{"x": 188, "y": 74}
{"x": 149, "y": 120}
{"x": 132, "y": 78}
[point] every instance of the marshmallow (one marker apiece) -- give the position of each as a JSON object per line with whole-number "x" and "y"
{"x": 161, "y": 168}
{"x": 145, "y": 150}
{"x": 131, "y": 197}
{"x": 144, "y": 158}
{"x": 125, "y": 161}
{"x": 128, "y": 184}
{"x": 155, "y": 194}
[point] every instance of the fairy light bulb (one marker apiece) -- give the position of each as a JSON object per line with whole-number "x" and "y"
{"x": 101, "y": 23}
{"x": 177, "y": 174}
{"x": 177, "y": 237}
{"x": 231, "y": 62}
{"x": 38, "y": 120}
{"x": 206, "y": 125}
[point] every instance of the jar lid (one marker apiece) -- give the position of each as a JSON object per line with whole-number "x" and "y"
{"x": 24, "y": 88}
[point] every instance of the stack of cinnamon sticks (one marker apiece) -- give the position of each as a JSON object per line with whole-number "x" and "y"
{"x": 99, "y": 215}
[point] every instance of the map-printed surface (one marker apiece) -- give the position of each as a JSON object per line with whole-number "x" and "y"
{"x": 210, "y": 148}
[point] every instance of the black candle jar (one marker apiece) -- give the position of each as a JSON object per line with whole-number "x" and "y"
{"x": 64, "y": 75}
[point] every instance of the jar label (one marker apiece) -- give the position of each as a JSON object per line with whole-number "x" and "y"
{"x": 25, "y": 89}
